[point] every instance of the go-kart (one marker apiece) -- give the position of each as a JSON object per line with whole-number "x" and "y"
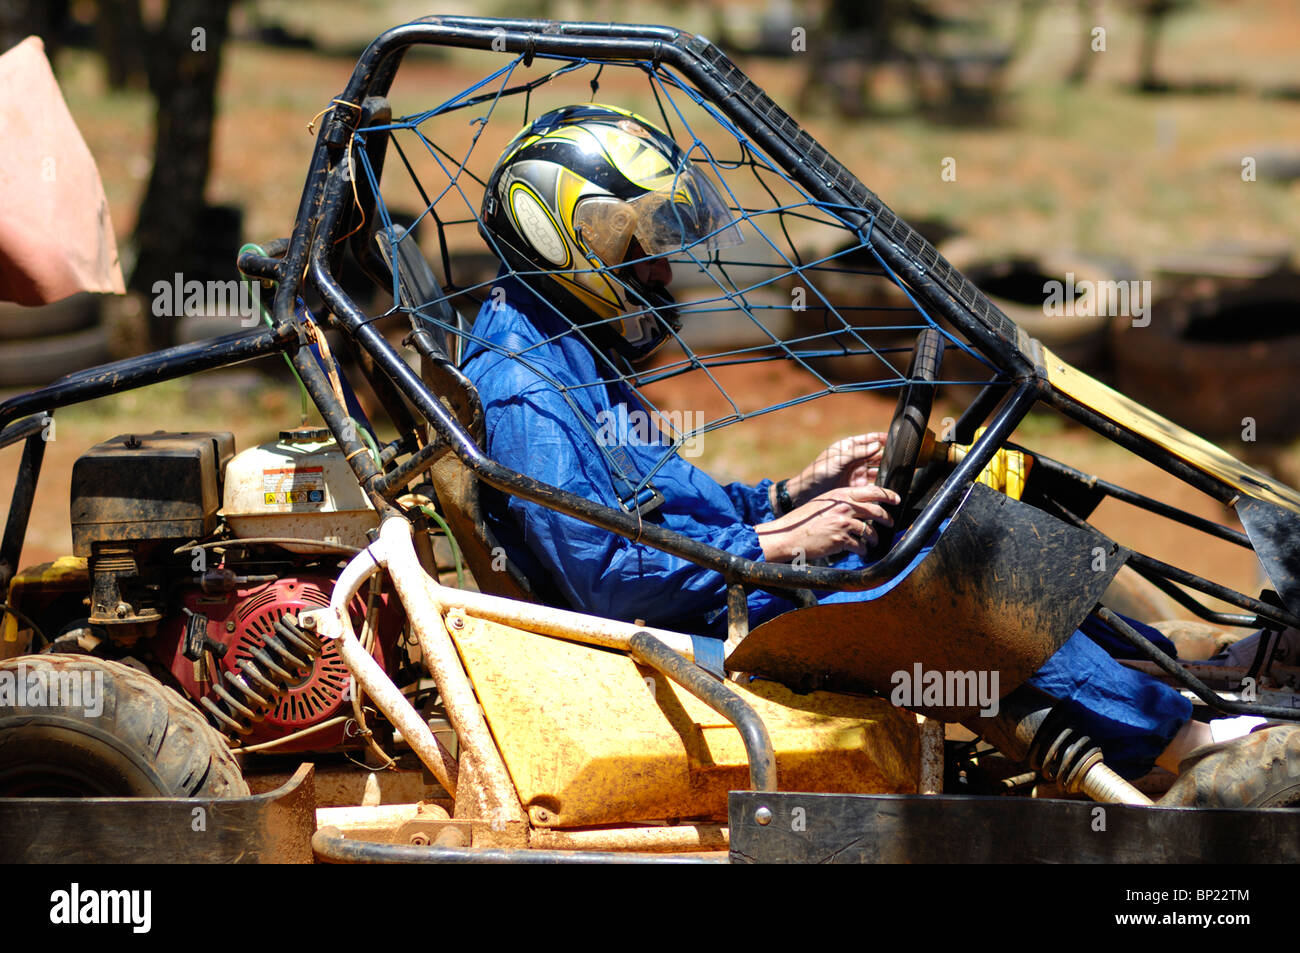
{"x": 257, "y": 600}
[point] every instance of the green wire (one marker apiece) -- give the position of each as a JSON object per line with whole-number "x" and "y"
{"x": 430, "y": 512}
{"x": 369, "y": 442}
{"x": 302, "y": 388}
{"x": 266, "y": 316}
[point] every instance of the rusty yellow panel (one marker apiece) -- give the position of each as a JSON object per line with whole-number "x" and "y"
{"x": 37, "y": 585}
{"x": 66, "y": 571}
{"x": 1182, "y": 443}
{"x": 590, "y": 737}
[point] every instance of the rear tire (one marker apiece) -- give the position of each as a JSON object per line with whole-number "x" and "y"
{"x": 1261, "y": 769}
{"x": 131, "y": 737}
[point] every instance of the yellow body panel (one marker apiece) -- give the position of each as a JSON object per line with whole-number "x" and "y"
{"x": 1182, "y": 443}
{"x": 590, "y": 737}
{"x": 41, "y": 582}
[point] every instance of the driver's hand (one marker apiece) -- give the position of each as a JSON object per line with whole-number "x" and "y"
{"x": 851, "y": 462}
{"x": 836, "y": 521}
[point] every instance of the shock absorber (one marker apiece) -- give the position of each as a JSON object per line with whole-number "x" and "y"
{"x": 1061, "y": 753}
{"x": 250, "y": 694}
{"x": 1029, "y": 726}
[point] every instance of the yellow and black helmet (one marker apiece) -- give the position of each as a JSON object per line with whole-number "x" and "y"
{"x": 583, "y": 191}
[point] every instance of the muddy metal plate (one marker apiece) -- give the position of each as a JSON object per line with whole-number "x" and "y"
{"x": 271, "y": 828}
{"x": 906, "y": 829}
{"x": 1004, "y": 587}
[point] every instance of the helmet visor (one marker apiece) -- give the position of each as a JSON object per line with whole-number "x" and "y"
{"x": 685, "y": 211}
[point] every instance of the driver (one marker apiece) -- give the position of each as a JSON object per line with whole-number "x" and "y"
{"x": 587, "y": 190}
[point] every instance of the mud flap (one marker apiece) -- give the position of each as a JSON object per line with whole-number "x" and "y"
{"x": 1003, "y": 588}
{"x": 791, "y": 828}
{"x": 271, "y": 828}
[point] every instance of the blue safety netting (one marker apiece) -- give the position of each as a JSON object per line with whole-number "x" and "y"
{"x": 806, "y": 286}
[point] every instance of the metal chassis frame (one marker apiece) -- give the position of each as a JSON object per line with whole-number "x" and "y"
{"x": 325, "y": 211}
{"x": 310, "y": 253}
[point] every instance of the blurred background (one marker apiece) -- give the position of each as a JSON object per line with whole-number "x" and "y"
{"x": 1151, "y": 140}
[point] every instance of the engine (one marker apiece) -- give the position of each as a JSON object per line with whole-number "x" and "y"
{"x": 208, "y": 595}
{"x": 243, "y": 658}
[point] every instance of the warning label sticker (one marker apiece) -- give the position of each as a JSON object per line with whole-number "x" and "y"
{"x": 294, "y": 485}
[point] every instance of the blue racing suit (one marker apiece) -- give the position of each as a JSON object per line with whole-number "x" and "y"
{"x": 544, "y": 414}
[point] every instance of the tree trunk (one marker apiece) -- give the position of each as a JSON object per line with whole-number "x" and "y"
{"x": 184, "y": 64}
{"x": 122, "y": 43}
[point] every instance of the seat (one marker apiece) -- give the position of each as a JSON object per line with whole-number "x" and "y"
{"x": 457, "y": 489}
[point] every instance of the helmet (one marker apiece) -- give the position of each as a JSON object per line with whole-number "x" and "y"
{"x": 583, "y": 191}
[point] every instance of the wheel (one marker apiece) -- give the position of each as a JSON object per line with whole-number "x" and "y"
{"x": 112, "y": 731}
{"x": 907, "y": 429}
{"x": 75, "y": 313}
{"x": 38, "y": 361}
{"x": 1260, "y": 770}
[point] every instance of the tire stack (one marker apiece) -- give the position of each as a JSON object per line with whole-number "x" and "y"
{"x": 39, "y": 345}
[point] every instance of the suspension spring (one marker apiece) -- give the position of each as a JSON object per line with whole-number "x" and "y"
{"x": 250, "y": 694}
{"x": 1062, "y": 754}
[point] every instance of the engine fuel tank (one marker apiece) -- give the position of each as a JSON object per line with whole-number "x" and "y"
{"x": 299, "y": 487}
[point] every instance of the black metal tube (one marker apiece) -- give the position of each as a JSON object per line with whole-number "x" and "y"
{"x": 264, "y": 266}
{"x": 713, "y": 692}
{"x": 990, "y": 395}
{"x": 1144, "y": 448}
{"x": 1149, "y": 567}
{"x": 657, "y": 43}
{"x": 1184, "y": 599}
{"x": 332, "y": 847}
{"x": 336, "y": 417}
{"x": 326, "y": 193}
{"x": 1277, "y": 614}
{"x": 1133, "y": 498}
{"x": 1197, "y": 687}
{"x": 394, "y": 481}
{"x": 21, "y": 429}
{"x": 150, "y": 369}
{"x": 20, "y": 508}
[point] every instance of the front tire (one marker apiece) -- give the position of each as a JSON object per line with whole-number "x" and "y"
{"x": 128, "y": 735}
{"x": 1261, "y": 769}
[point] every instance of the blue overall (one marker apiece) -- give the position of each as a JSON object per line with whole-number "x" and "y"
{"x": 533, "y": 429}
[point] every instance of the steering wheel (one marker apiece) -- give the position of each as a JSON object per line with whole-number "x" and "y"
{"x": 907, "y": 429}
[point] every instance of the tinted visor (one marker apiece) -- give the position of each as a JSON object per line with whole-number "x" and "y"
{"x": 686, "y": 211}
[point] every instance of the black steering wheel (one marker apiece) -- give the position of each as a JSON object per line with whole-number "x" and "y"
{"x": 907, "y": 430}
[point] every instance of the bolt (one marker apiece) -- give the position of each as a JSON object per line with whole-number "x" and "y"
{"x": 541, "y": 815}
{"x": 420, "y": 839}
{"x": 230, "y": 626}
{"x": 764, "y": 816}
{"x": 451, "y": 837}
{"x": 457, "y": 622}
{"x": 122, "y": 610}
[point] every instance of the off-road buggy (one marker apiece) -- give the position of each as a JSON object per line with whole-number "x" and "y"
{"x": 267, "y": 600}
